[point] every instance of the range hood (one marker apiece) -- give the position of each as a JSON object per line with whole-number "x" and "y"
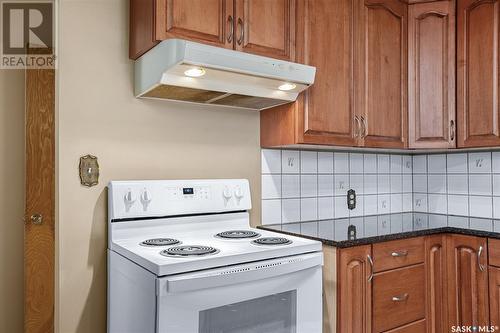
{"x": 186, "y": 71}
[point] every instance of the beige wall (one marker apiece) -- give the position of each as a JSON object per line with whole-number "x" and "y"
{"x": 11, "y": 199}
{"x": 133, "y": 139}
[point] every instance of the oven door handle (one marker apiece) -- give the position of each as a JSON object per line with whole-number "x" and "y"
{"x": 237, "y": 274}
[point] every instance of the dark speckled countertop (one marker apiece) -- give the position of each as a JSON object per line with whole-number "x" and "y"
{"x": 381, "y": 228}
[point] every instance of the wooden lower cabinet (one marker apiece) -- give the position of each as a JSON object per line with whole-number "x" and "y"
{"x": 435, "y": 283}
{"x": 494, "y": 275}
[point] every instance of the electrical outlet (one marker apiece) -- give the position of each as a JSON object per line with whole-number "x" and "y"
{"x": 351, "y": 199}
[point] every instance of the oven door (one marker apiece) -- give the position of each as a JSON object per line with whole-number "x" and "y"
{"x": 274, "y": 296}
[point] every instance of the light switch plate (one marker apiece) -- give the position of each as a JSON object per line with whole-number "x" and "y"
{"x": 89, "y": 171}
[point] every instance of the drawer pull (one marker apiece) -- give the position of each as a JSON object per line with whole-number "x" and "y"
{"x": 370, "y": 261}
{"x": 399, "y": 254}
{"x": 400, "y": 298}
{"x": 479, "y": 252}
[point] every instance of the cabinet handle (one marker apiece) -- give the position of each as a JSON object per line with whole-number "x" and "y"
{"x": 452, "y": 130}
{"x": 242, "y": 31}
{"x": 400, "y": 298}
{"x": 230, "y": 21}
{"x": 370, "y": 261}
{"x": 357, "y": 131}
{"x": 479, "y": 252}
{"x": 399, "y": 253}
{"x": 365, "y": 126}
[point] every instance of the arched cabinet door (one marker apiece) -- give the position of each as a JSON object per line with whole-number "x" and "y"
{"x": 478, "y": 72}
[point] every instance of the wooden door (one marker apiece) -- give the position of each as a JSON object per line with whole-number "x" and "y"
{"x": 208, "y": 21}
{"x": 39, "y": 232}
{"x": 435, "y": 284}
{"x": 354, "y": 290}
{"x": 431, "y": 74}
{"x": 381, "y": 72}
{"x": 467, "y": 281}
{"x": 266, "y": 27}
{"x": 494, "y": 275}
{"x": 478, "y": 34}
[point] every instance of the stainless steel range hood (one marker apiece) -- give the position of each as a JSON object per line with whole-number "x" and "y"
{"x": 186, "y": 71}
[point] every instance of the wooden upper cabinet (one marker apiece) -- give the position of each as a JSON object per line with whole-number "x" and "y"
{"x": 266, "y": 27}
{"x": 354, "y": 303}
{"x": 381, "y": 72}
{"x": 478, "y": 33}
{"x": 468, "y": 301}
{"x": 431, "y": 72}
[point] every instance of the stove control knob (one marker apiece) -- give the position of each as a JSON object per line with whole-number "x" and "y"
{"x": 227, "y": 194}
{"x": 129, "y": 200}
{"x": 145, "y": 199}
{"x": 238, "y": 193}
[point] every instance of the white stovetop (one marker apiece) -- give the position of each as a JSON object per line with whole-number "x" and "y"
{"x": 127, "y": 236}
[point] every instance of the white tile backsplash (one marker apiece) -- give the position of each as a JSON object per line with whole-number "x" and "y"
{"x": 310, "y": 185}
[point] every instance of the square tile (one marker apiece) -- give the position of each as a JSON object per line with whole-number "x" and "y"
{"x": 271, "y": 211}
{"x": 341, "y": 162}
{"x": 458, "y": 222}
{"x": 290, "y": 186}
{"x": 481, "y": 206}
{"x": 437, "y": 183}
{"x": 407, "y": 183}
{"x": 356, "y": 163}
{"x": 359, "y": 210}
{"x": 407, "y": 202}
{"x": 396, "y": 184}
{"x": 371, "y": 204}
{"x": 341, "y": 227}
{"x": 291, "y": 227}
{"x": 407, "y": 222}
{"x": 384, "y": 225}
{"x": 496, "y": 162}
{"x": 480, "y": 162}
{"x": 458, "y": 184}
{"x": 371, "y": 226}
{"x": 384, "y": 204}
{"x": 325, "y": 185}
{"x": 496, "y": 185}
{"x": 396, "y": 203}
{"x": 420, "y": 164}
{"x": 438, "y": 221}
{"x": 480, "y": 185}
{"x": 308, "y": 209}
{"x": 341, "y": 184}
{"x": 309, "y": 229}
{"x": 290, "y": 161}
{"x": 496, "y": 207}
{"x": 458, "y": 205}
{"x": 308, "y": 186}
{"x": 420, "y": 183}
{"x": 396, "y": 164}
{"x": 370, "y": 163}
{"x": 420, "y": 202}
{"x": 359, "y": 223}
{"x": 407, "y": 164}
{"x": 438, "y": 204}
{"x": 325, "y": 208}
{"x": 457, "y": 163}
{"x": 325, "y": 162}
{"x": 290, "y": 210}
{"x": 383, "y": 184}
{"x": 326, "y": 230}
{"x": 271, "y": 161}
{"x": 356, "y": 183}
{"x": 341, "y": 209}
{"x": 496, "y": 226}
{"x": 437, "y": 163}
{"x": 481, "y": 224}
{"x": 383, "y": 163}
{"x": 370, "y": 184}
{"x": 396, "y": 223}
{"x": 308, "y": 162}
{"x": 271, "y": 186}
{"x": 420, "y": 222}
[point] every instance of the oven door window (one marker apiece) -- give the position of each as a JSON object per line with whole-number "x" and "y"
{"x": 270, "y": 314}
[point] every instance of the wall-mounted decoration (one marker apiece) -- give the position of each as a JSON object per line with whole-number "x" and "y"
{"x": 89, "y": 171}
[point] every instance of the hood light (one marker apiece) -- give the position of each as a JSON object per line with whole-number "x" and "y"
{"x": 195, "y": 72}
{"x": 287, "y": 86}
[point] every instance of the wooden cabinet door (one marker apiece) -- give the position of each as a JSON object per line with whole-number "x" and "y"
{"x": 266, "y": 27}
{"x": 478, "y": 34}
{"x": 467, "y": 281}
{"x": 431, "y": 73}
{"x": 354, "y": 290}
{"x": 205, "y": 21}
{"x": 435, "y": 284}
{"x": 494, "y": 274}
{"x": 381, "y": 72}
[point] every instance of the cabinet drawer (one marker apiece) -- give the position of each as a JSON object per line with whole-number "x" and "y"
{"x": 399, "y": 253}
{"x": 416, "y": 327}
{"x": 398, "y": 297}
{"x": 494, "y": 252}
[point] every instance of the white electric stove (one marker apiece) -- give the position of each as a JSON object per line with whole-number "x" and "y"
{"x": 182, "y": 257}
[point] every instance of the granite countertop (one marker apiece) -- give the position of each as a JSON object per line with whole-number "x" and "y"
{"x": 381, "y": 228}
